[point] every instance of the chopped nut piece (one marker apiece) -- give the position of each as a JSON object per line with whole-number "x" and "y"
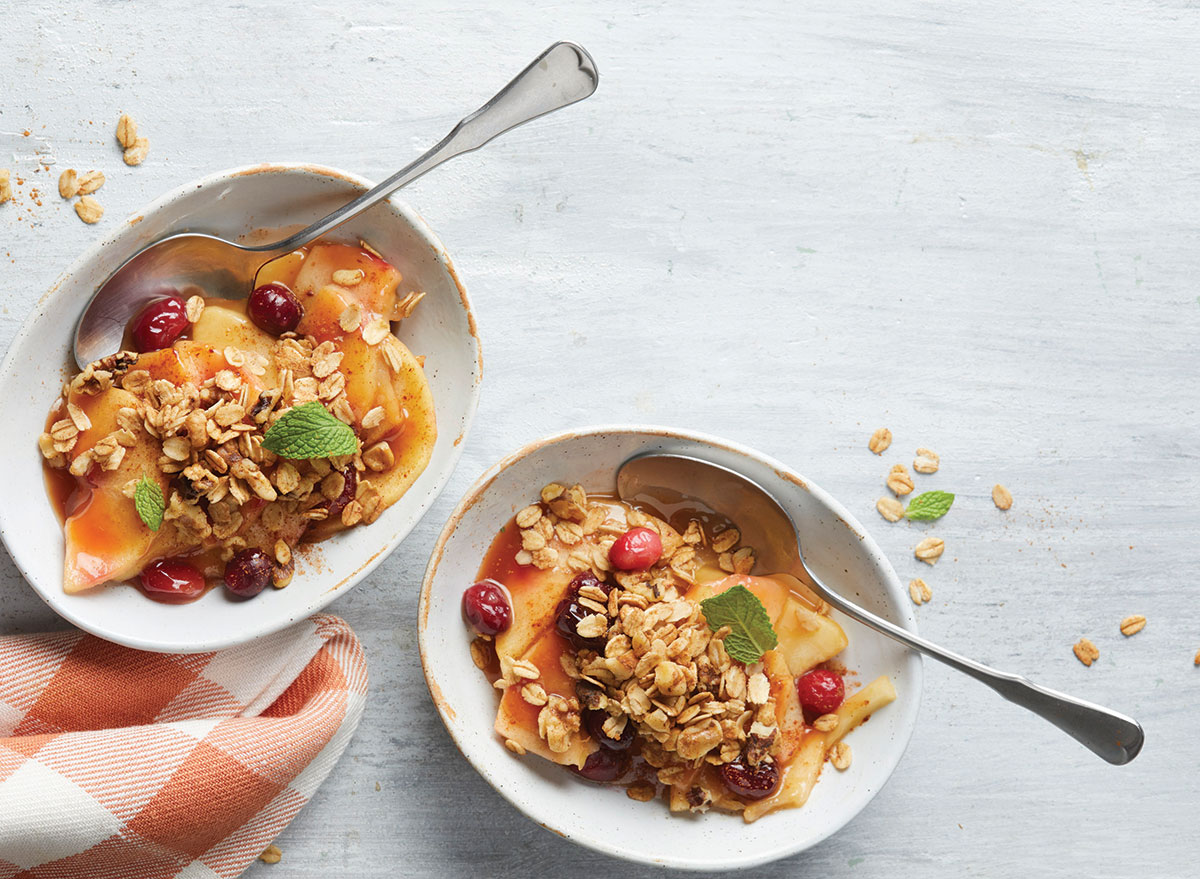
{"x": 890, "y": 508}
{"x": 919, "y": 591}
{"x": 1001, "y": 497}
{"x": 726, "y": 540}
{"x": 840, "y": 756}
{"x": 1131, "y": 625}
{"x": 930, "y": 550}
{"x": 1086, "y": 652}
{"x": 880, "y": 440}
{"x": 136, "y": 154}
{"x": 479, "y": 653}
{"x": 899, "y": 481}
{"x": 826, "y": 723}
{"x": 126, "y": 131}
{"x": 348, "y": 277}
{"x": 68, "y": 183}
{"x": 89, "y": 210}
{"x": 88, "y": 182}
{"x": 194, "y": 308}
{"x": 515, "y": 746}
{"x": 642, "y": 791}
{"x": 271, "y": 855}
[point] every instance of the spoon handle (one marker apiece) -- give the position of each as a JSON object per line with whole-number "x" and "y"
{"x": 1111, "y": 735}
{"x": 562, "y": 75}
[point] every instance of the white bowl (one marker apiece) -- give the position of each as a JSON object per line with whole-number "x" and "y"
{"x": 837, "y": 548}
{"x": 243, "y": 201}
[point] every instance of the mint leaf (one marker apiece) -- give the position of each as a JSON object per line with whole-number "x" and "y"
{"x": 740, "y": 609}
{"x": 148, "y": 499}
{"x": 309, "y": 431}
{"x": 929, "y": 506}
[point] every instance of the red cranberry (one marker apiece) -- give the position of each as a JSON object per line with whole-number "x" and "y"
{"x": 820, "y": 691}
{"x": 160, "y": 323}
{"x": 593, "y": 721}
{"x": 587, "y": 578}
{"x": 172, "y": 581}
{"x": 275, "y": 309}
{"x": 336, "y": 505}
{"x": 604, "y": 766}
{"x": 248, "y": 573}
{"x": 751, "y": 782}
{"x": 636, "y": 549}
{"x": 567, "y": 617}
{"x": 486, "y": 607}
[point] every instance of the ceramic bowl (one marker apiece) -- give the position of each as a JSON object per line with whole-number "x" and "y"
{"x": 838, "y": 549}
{"x": 247, "y": 201}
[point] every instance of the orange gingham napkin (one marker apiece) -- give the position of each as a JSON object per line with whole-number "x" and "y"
{"x": 130, "y": 765}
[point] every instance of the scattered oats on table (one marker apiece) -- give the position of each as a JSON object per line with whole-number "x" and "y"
{"x": 1086, "y": 652}
{"x": 5, "y": 185}
{"x": 919, "y": 591}
{"x": 89, "y": 181}
{"x": 136, "y": 154}
{"x": 68, "y": 183}
{"x": 1131, "y": 625}
{"x": 272, "y": 854}
{"x": 126, "y": 131}
{"x": 880, "y": 440}
{"x": 899, "y": 481}
{"x": 89, "y": 210}
{"x": 890, "y": 508}
{"x": 927, "y": 461}
{"x": 1001, "y": 497}
{"x": 930, "y": 549}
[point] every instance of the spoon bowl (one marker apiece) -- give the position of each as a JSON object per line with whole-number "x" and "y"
{"x": 765, "y": 525}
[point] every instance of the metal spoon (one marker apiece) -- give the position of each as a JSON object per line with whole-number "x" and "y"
{"x": 673, "y": 480}
{"x": 562, "y": 75}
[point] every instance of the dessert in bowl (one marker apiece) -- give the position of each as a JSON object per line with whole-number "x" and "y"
{"x": 611, "y": 639}
{"x": 399, "y": 384}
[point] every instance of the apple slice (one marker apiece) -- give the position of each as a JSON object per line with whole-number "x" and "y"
{"x": 376, "y": 292}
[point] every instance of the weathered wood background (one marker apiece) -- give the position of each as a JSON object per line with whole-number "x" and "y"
{"x": 976, "y": 224}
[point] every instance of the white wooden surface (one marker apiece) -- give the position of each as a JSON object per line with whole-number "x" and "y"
{"x": 976, "y": 224}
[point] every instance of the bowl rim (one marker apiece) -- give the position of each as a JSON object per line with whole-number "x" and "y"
{"x": 319, "y": 599}
{"x": 910, "y": 701}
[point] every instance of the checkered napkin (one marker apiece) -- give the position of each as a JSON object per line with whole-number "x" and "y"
{"x": 130, "y": 765}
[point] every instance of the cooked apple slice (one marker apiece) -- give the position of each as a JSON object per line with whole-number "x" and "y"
{"x": 517, "y": 719}
{"x": 224, "y": 323}
{"x": 376, "y": 292}
{"x": 105, "y": 538}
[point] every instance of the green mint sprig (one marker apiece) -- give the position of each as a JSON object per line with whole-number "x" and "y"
{"x": 751, "y": 633}
{"x": 309, "y": 431}
{"x": 929, "y": 506}
{"x": 148, "y": 499}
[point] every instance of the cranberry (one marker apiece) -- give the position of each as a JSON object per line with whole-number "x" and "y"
{"x": 751, "y": 782}
{"x": 336, "y": 505}
{"x": 172, "y": 581}
{"x": 820, "y": 691}
{"x": 636, "y": 550}
{"x": 587, "y": 578}
{"x": 567, "y": 617}
{"x": 248, "y": 573}
{"x": 275, "y": 309}
{"x": 604, "y": 766}
{"x": 486, "y": 607}
{"x": 160, "y": 323}
{"x": 594, "y": 722}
